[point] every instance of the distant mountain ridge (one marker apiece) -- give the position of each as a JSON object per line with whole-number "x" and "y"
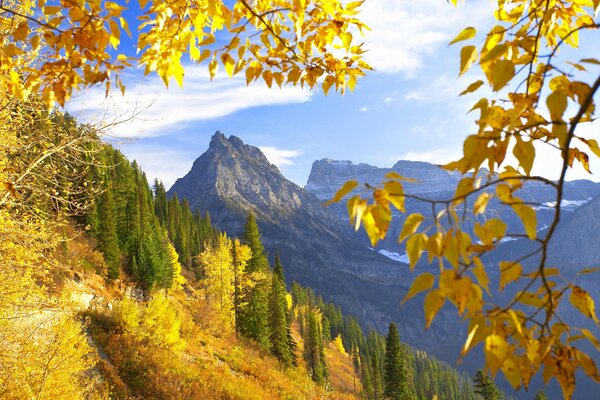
{"x": 433, "y": 182}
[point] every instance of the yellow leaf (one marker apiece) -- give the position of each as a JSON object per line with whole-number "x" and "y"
{"x": 465, "y": 34}
{"x": 509, "y": 272}
{"x": 525, "y": 153}
{"x": 347, "y": 188}
{"x": 398, "y": 177}
{"x": 480, "y": 274}
{"x": 502, "y": 72}
{"x": 590, "y": 61}
{"x": 370, "y": 227}
{"x": 589, "y": 271}
{"x": 472, "y": 87}
{"x": 396, "y": 194}
{"x": 496, "y": 350}
{"x": 420, "y": 284}
{"x": 50, "y": 10}
{"x": 212, "y": 68}
{"x": 432, "y": 304}
{"x": 467, "y": 345}
{"x": 414, "y": 248}
{"x": 512, "y": 372}
{"x": 481, "y": 203}
{"x": 410, "y": 226}
{"x": 468, "y": 54}
{"x": 528, "y": 217}
{"x": 557, "y": 104}
{"x": 493, "y": 229}
{"x": 228, "y": 62}
{"x": 434, "y": 245}
{"x": 356, "y": 208}
{"x": 581, "y": 300}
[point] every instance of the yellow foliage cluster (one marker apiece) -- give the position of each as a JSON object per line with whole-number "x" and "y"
{"x": 44, "y": 352}
{"x": 536, "y": 103}
{"x": 158, "y": 321}
{"x": 76, "y": 44}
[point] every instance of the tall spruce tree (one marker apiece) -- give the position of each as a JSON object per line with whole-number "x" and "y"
{"x": 254, "y": 321}
{"x": 314, "y": 353}
{"x": 376, "y": 377}
{"x": 485, "y": 386}
{"x": 396, "y": 380}
{"x": 108, "y": 240}
{"x": 279, "y": 320}
{"x": 540, "y": 395}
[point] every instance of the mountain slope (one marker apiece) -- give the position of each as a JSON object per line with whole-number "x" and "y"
{"x": 232, "y": 178}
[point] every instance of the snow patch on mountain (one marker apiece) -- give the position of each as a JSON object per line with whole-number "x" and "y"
{"x": 403, "y": 258}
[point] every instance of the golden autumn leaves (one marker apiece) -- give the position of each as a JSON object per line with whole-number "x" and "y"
{"x": 536, "y": 104}
{"x": 54, "y": 48}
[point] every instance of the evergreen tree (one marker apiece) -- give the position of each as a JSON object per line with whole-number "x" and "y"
{"x": 376, "y": 377}
{"x": 107, "y": 233}
{"x": 314, "y": 354}
{"x": 254, "y": 321}
{"x": 485, "y": 386}
{"x": 396, "y": 370}
{"x": 540, "y": 395}
{"x": 279, "y": 320}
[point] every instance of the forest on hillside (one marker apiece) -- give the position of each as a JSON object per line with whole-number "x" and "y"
{"x": 168, "y": 288}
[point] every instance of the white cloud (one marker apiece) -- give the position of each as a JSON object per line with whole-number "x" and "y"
{"x": 363, "y": 109}
{"x": 160, "y": 111}
{"x": 403, "y": 32}
{"x": 280, "y": 157}
{"x": 388, "y": 100}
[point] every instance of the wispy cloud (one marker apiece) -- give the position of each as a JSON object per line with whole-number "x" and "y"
{"x": 403, "y": 32}
{"x": 159, "y": 111}
{"x": 280, "y": 157}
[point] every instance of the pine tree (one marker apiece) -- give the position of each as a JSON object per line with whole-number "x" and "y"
{"x": 314, "y": 354}
{"x": 279, "y": 320}
{"x": 254, "y": 321}
{"x": 396, "y": 369}
{"x": 485, "y": 386}
{"x": 107, "y": 233}
{"x": 376, "y": 377}
{"x": 540, "y": 395}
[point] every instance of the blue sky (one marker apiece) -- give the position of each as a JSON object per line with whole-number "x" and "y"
{"x": 407, "y": 109}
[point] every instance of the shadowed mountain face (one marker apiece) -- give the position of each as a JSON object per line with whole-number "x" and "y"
{"x": 316, "y": 247}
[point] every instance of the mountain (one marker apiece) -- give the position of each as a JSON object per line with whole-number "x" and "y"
{"x": 317, "y": 244}
{"x": 232, "y": 178}
{"x": 433, "y": 182}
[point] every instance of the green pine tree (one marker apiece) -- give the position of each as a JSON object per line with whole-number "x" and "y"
{"x": 314, "y": 354}
{"x": 279, "y": 320}
{"x": 107, "y": 233}
{"x": 376, "y": 377}
{"x": 396, "y": 380}
{"x": 540, "y": 395}
{"x": 254, "y": 321}
{"x": 485, "y": 386}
